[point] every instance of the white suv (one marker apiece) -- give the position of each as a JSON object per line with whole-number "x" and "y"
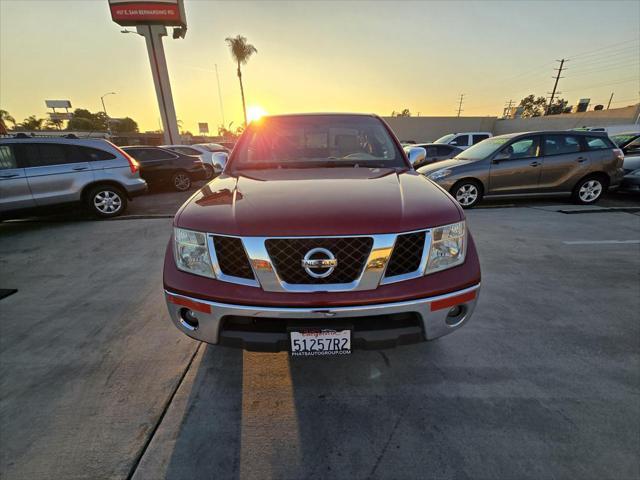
{"x": 464, "y": 140}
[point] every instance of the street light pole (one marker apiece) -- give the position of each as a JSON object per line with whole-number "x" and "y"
{"x": 104, "y": 109}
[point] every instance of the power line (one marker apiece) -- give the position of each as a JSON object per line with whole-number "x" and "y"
{"x": 605, "y": 68}
{"x": 606, "y": 47}
{"x": 220, "y": 96}
{"x": 607, "y": 64}
{"x": 632, "y": 79}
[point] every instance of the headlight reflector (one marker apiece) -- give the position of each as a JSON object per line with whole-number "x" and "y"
{"x": 437, "y": 175}
{"x": 192, "y": 252}
{"x": 448, "y": 247}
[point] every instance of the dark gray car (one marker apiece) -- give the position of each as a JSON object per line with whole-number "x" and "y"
{"x": 565, "y": 163}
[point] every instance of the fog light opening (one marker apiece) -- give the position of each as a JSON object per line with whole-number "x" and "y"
{"x": 188, "y": 319}
{"x": 456, "y": 315}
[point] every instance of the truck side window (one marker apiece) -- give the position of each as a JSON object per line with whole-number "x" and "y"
{"x": 460, "y": 141}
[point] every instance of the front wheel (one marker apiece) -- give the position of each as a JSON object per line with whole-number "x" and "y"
{"x": 467, "y": 193}
{"x": 181, "y": 181}
{"x": 106, "y": 201}
{"x": 589, "y": 190}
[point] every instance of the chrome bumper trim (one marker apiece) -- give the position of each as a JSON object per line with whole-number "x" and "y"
{"x": 434, "y": 322}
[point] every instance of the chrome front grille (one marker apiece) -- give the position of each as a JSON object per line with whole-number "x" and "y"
{"x": 350, "y": 252}
{"x": 355, "y": 262}
{"x": 407, "y": 254}
{"x": 232, "y": 258}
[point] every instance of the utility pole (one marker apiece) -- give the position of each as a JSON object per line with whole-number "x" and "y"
{"x": 104, "y": 109}
{"x": 610, "y": 98}
{"x": 220, "y": 96}
{"x": 507, "y": 109}
{"x": 555, "y": 85}
{"x": 460, "y": 104}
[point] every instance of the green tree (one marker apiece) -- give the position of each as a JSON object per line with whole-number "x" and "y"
{"x": 124, "y": 125}
{"x": 403, "y": 113}
{"x": 84, "y": 120}
{"x": 32, "y": 123}
{"x": 6, "y": 117}
{"x": 558, "y": 106}
{"x": 54, "y": 124}
{"x": 241, "y": 51}
{"x": 532, "y": 106}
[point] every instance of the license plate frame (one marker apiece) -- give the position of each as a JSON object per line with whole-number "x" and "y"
{"x": 320, "y": 341}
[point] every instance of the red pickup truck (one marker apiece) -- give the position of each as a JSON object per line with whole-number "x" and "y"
{"x": 317, "y": 238}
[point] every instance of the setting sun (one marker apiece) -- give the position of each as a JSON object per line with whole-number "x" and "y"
{"x": 255, "y": 113}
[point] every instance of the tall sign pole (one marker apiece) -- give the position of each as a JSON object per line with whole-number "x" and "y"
{"x": 153, "y": 36}
{"x": 151, "y": 19}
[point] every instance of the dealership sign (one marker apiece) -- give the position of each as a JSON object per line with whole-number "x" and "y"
{"x": 148, "y": 12}
{"x": 203, "y": 128}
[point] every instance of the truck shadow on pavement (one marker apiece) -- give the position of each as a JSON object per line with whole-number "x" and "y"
{"x": 259, "y": 415}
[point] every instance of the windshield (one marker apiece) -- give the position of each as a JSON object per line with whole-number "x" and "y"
{"x": 623, "y": 138}
{"x": 483, "y": 149}
{"x": 317, "y": 141}
{"x": 446, "y": 138}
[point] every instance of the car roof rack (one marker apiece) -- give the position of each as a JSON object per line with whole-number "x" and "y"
{"x": 70, "y": 136}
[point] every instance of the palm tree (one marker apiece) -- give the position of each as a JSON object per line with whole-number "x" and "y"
{"x": 5, "y": 117}
{"x": 32, "y": 123}
{"x": 241, "y": 52}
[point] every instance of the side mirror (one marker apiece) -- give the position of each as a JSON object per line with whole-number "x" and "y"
{"x": 220, "y": 159}
{"x": 501, "y": 156}
{"x": 416, "y": 155}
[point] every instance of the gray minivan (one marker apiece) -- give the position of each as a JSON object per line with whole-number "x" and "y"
{"x": 40, "y": 172}
{"x": 561, "y": 163}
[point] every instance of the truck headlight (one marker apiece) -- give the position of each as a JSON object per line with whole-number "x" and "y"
{"x": 437, "y": 175}
{"x": 192, "y": 252}
{"x": 448, "y": 247}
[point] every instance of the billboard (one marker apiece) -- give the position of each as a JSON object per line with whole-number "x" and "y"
{"x": 129, "y": 13}
{"x": 203, "y": 128}
{"x": 57, "y": 103}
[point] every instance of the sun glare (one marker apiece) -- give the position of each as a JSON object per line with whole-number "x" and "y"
{"x": 255, "y": 113}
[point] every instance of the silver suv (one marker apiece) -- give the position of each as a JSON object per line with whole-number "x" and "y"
{"x": 40, "y": 172}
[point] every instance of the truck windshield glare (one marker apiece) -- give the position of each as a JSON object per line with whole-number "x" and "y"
{"x": 317, "y": 141}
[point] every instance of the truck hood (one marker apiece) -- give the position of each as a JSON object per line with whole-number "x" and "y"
{"x": 309, "y": 202}
{"x": 432, "y": 167}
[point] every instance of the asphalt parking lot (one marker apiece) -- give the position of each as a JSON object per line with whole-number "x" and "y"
{"x": 544, "y": 382}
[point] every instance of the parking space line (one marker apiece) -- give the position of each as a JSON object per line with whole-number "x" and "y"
{"x": 600, "y": 242}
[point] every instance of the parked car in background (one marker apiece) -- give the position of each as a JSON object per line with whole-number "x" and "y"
{"x": 316, "y": 240}
{"x": 37, "y": 173}
{"x": 578, "y": 164}
{"x": 628, "y": 142}
{"x": 434, "y": 152}
{"x": 211, "y": 164}
{"x": 213, "y": 147}
{"x": 228, "y": 145}
{"x": 463, "y": 140}
{"x": 161, "y": 166}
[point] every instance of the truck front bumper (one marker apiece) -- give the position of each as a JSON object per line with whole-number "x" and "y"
{"x": 373, "y": 326}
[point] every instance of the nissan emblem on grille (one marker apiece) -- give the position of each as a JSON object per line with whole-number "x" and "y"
{"x": 319, "y": 262}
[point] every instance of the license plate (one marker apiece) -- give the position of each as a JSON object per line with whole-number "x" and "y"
{"x": 320, "y": 341}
